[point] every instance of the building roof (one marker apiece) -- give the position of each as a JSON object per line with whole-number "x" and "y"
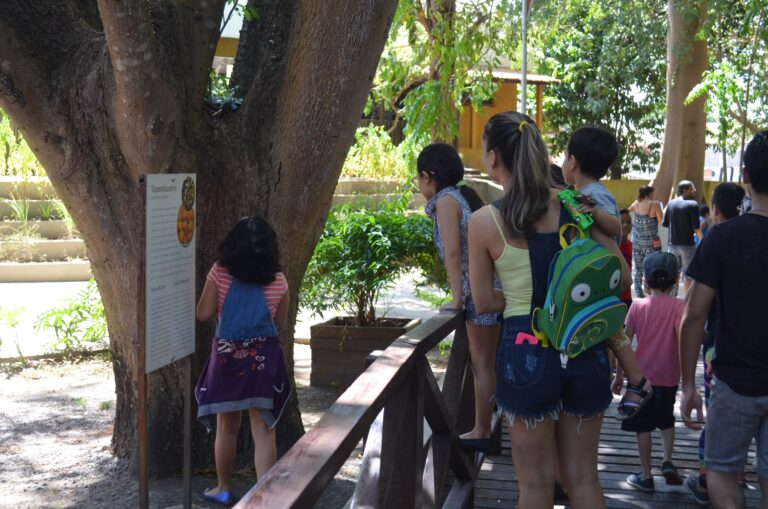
{"x": 502, "y": 74}
{"x": 713, "y": 158}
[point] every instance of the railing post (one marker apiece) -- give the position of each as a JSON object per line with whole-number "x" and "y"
{"x": 390, "y": 474}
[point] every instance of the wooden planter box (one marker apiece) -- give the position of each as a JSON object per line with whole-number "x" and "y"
{"x": 339, "y": 351}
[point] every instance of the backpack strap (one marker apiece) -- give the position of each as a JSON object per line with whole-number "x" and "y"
{"x": 536, "y": 332}
{"x": 580, "y": 234}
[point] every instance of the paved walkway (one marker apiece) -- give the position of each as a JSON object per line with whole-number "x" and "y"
{"x": 32, "y": 299}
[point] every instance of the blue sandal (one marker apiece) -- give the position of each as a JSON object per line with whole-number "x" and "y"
{"x": 224, "y": 498}
{"x": 627, "y": 408}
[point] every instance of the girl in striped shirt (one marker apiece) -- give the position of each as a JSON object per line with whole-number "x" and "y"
{"x": 247, "y": 292}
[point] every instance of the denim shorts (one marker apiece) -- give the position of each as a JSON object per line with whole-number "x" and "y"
{"x": 732, "y": 421}
{"x": 532, "y": 383}
{"x": 475, "y": 318}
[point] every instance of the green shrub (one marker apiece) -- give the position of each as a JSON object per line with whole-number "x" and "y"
{"x": 79, "y": 324}
{"x": 16, "y": 158}
{"x": 362, "y": 253}
{"x": 375, "y": 156}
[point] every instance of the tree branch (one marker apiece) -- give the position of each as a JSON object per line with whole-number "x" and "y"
{"x": 320, "y": 95}
{"x": 40, "y": 43}
{"x": 264, "y": 39}
{"x": 50, "y": 32}
{"x": 743, "y": 120}
{"x": 196, "y": 34}
{"x": 146, "y": 110}
{"x": 38, "y": 38}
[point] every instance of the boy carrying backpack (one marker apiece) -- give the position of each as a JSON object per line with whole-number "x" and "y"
{"x": 589, "y": 154}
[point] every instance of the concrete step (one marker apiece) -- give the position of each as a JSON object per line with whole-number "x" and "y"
{"x": 51, "y": 229}
{"x": 34, "y": 188}
{"x": 42, "y": 250}
{"x": 12, "y": 272}
{"x": 36, "y": 209}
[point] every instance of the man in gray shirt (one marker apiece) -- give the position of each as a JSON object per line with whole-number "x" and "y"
{"x": 682, "y": 218}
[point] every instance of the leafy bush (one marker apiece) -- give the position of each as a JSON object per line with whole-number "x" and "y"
{"x": 80, "y": 324}
{"x": 375, "y": 156}
{"x": 16, "y": 158}
{"x": 362, "y": 253}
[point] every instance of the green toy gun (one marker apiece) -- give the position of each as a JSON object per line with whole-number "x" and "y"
{"x": 570, "y": 201}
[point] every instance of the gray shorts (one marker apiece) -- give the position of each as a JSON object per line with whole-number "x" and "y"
{"x": 684, "y": 256}
{"x": 732, "y": 421}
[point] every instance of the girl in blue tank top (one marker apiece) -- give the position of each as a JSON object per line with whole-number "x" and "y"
{"x": 450, "y": 207}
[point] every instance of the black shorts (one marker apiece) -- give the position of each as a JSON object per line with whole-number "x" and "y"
{"x": 658, "y": 413}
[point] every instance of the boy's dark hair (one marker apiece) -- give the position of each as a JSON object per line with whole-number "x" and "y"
{"x": 441, "y": 162}
{"x": 727, "y": 197}
{"x": 683, "y": 186}
{"x": 594, "y": 148}
{"x": 756, "y": 162}
{"x": 250, "y": 252}
{"x": 624, "y": 212}
{"x": 644, "y": 191}
{"x": 703, "y": 210}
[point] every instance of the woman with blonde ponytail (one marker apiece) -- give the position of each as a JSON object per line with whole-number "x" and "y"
{"x": 555, "y": 413}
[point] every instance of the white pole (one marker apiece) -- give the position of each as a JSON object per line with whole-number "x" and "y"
{"x": 524, "y": 67}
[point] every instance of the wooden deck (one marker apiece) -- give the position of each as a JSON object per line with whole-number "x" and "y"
{"x": 496, "y": 485}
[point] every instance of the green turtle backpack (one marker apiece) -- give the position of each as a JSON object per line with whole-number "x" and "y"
{"x": 582, "y": 307}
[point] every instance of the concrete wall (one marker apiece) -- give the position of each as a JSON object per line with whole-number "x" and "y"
{"x": 625, "y": 191}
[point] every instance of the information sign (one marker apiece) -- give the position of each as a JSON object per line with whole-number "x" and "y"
{"x": 170, "y": 268}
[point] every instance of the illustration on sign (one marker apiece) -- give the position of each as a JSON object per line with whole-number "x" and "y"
{"x": 185, "y": 219}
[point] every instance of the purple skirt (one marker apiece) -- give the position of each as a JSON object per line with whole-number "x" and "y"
{"x": 243, "y": 374}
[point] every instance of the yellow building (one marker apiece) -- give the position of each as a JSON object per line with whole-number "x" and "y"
{"x": 471, "y": 122}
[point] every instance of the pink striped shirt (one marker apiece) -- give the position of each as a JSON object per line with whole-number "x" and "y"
{"x": 273, "y": 292}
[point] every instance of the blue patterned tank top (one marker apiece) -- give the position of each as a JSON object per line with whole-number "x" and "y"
{"x": 466, "y": 212}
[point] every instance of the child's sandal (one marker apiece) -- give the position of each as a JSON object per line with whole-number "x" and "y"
{"x": 628, "y": 408}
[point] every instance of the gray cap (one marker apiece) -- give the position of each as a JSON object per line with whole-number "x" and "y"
{"x": 660, "y": 265}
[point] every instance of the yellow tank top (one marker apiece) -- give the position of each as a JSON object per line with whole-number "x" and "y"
{"x": 513, "y": 268}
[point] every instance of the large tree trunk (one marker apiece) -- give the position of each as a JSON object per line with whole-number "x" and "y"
{"x": 106, "y": 93}
{"x": 682, "y": 155}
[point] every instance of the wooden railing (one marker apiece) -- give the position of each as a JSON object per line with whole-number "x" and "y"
{"x": 405, "y": 464}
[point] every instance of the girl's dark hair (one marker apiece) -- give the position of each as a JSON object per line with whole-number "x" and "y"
{"x": 442, "y": 163}
{"x": 250, "y": 252}
{"x": 644, "y": 192}
{"x": 515, "y": 138}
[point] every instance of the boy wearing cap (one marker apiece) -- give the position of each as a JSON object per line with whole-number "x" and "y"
{"x": 655, "y": 321}
{"x": 731, "y": 263}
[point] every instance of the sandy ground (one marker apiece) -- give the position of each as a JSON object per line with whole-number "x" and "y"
{"x": 56, "y": 419}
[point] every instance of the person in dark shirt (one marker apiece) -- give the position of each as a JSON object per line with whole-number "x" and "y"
{"x": 726, "y": 202}
{"x": 682, "y": 218}
{"x": 731, "y": 263}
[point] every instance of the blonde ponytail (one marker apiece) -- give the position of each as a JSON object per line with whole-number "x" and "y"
{"x": 517, "y": 140}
